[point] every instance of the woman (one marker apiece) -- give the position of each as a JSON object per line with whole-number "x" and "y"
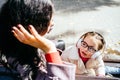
{"x": 22, "y": 61}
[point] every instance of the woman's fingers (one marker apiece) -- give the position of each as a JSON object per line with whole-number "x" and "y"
{"x": 45, "y": 44}
{"x": 18, "y": 34}
{"x": 34, "y": 32}
{"x": 38, "y": 37}
{"x": 33, "y": 39}
{"x": 23, "y": 35}
{"x": 25, "y": 32}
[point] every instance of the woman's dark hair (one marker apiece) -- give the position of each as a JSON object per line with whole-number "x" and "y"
{"x": 35, "y": 12}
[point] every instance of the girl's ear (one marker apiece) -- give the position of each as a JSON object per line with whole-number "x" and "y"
{"x": 78, "y": 44}
{"x": 96, "y": 54}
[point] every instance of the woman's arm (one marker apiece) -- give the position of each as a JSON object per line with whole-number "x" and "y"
{"x": 36, "y": 40}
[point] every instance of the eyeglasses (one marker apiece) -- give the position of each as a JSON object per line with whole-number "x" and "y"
{"x": 90, "y": 48}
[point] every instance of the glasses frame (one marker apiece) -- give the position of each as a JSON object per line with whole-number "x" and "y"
{"x": 89, "y": 48}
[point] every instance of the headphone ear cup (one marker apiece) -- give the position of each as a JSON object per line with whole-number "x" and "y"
{"x": 96, "y": 54}
{"x": 78, "y": 43}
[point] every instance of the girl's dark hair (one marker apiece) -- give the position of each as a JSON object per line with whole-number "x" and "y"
{"x": 98, "y": 37}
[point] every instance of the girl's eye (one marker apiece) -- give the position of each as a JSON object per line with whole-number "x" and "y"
{"x": 83, "y": 44}
{"x": 91, "y": 49}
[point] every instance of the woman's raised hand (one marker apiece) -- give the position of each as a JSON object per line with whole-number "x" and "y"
{"x": 33, "y": 38}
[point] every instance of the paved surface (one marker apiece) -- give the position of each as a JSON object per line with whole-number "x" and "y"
{"x": 74, "y": 6}
{"x": 113, "y": 64}
{"x": 75, "y": 17}
{"x": 78, "y": 77}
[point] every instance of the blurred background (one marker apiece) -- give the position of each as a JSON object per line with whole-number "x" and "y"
{"x": 74, "y": 17}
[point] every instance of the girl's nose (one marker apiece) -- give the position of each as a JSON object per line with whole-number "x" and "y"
{"x": 86, "y": 49}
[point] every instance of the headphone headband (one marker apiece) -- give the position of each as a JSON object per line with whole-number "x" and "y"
{"x": 78, "y": 44}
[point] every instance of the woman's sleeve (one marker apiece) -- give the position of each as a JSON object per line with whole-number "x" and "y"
{"x": 56, "y": 69}
{"x": 64, "y": 71}
{"x": 53, "y": 58}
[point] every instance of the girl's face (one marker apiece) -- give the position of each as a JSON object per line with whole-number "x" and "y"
{"x": 88, "y": 46}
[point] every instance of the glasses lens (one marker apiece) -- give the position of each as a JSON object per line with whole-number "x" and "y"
{"x": 91, "y": 49}
{"x": 83, "y": 44}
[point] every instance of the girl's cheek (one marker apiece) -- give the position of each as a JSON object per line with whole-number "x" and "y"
{"x": 81, "y": 49}
{"x": 90, "y": 55}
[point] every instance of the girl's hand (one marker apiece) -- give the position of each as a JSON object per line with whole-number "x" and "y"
{"x": 33, "y": 38}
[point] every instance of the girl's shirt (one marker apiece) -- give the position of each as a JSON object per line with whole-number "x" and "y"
{"x": 92, "y": 67}
{"x": 83, "y": 59}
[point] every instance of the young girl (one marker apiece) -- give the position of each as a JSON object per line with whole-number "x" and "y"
{"x": 86, "y": 54}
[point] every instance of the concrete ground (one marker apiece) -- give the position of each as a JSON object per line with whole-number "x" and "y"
{"x": 74, "y": 17}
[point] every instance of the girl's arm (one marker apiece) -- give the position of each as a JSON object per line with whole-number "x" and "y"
{"x": 101, "y": 69}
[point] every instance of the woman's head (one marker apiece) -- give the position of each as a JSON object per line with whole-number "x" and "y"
{"x": 26, "y": 12}
{"x": 35, "y": 12}
{"x": 91, "y": 42}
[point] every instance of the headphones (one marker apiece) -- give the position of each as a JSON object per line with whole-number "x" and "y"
{"x": 95, "y": 55}
{"x": 78, "y": 44}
